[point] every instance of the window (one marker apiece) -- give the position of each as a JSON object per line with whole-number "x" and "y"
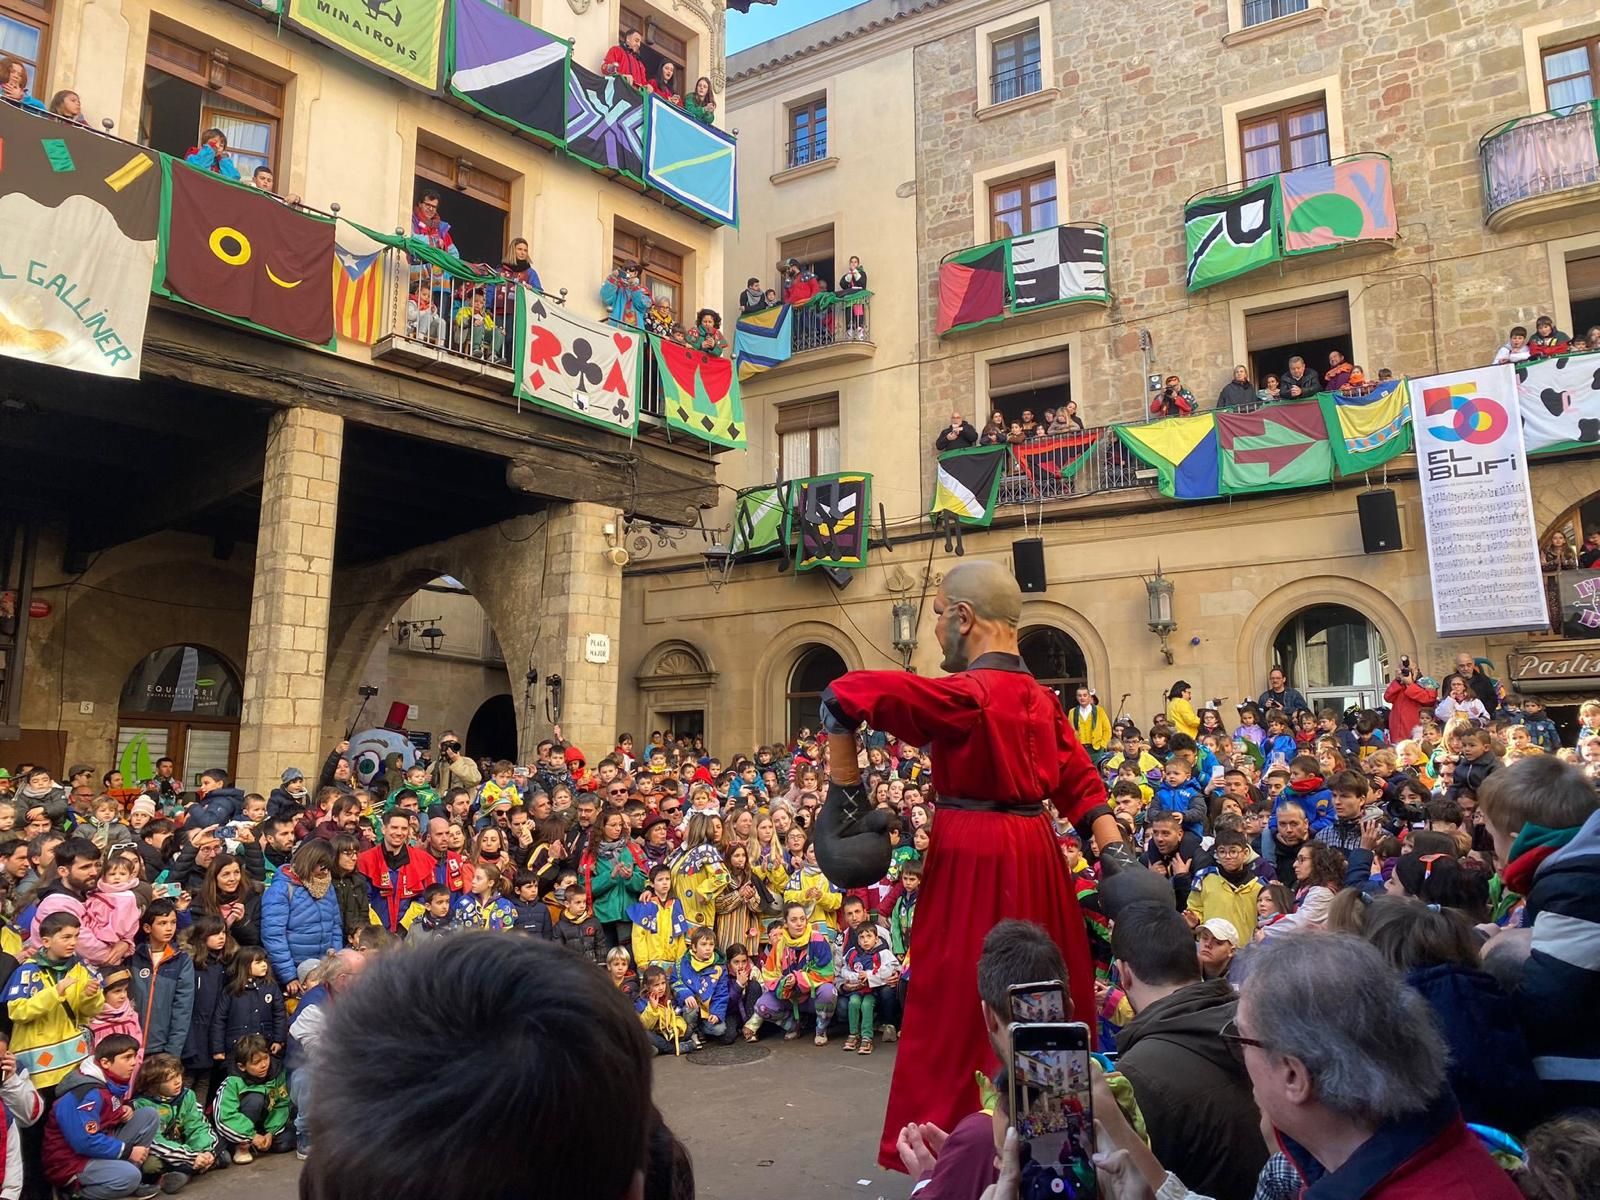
{"x": 1258, "y": 11}
{"x": 813, "y": 671}
{"x": 808, "y": 132}
{"x": 187, "y": 90}
{"x": 1583, "y": 290}
{"x": 1572, "y": 73}
{"x": 1014, "y": 65}
{"x": 663, "y": 267}
{"x": 1334, "y": 655}
{"x": 1023, "y": 205}
{"x": 814, "y": 250}
{"x": 660, "y": 45}
{"x": 1308, "y": 330}
{"x": 24, "y": 34}
{"x": 1280, "y": 141}
{"x": 476, "y": 204}
{"x": 1028, "y": 385}
{"x": 808, "y": 437}
{"x": 1055, "y": 660}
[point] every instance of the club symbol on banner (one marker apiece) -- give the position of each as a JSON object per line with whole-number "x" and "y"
{"x": 579, "y": 363}
{"x": 620, "y": 412}
{"x": 1474, "y": 419}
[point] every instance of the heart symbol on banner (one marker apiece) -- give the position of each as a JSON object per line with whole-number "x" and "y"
{"x": 623, "y": 341}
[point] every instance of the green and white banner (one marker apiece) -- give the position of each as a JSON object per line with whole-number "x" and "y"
{"x": 398, "y": 37}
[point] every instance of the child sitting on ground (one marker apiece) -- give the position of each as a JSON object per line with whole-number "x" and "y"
{"x": 869, "y": 970}
{"x": 95, "y": 1142}
{"x": 251, "y": 1112}
{"x": 701, "y": 987}
{"x": 665, "y": 1023}
{"x": 184, "y": 1143}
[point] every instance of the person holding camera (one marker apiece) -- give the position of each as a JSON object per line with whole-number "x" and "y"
{"x": 454, "y": 769}
{"x": 1408, "y": 696}
{"x": 1174, "y": 400}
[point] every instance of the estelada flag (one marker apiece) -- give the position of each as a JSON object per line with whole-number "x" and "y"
{"x": 241, "y": 253}
{"x": 355, "y": 293}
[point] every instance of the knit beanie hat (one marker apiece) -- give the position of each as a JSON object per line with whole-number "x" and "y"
{"x": 143, "y": 804}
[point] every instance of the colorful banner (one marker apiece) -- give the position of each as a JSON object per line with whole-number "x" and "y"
{"x": 759, "y": 515}
{"x": 763, "y": 340}
{"x": 694, "y": 163}
{"x": 1058, "y": 266}
{"x": 1472, "y": 468}
{"x": 700, "y": 393}
{"x": 972, "y": 288}
{"x": 1230, "y": 235}
{"x": 1279, "y": 446}
{"x": 398, "y": 37}
{"x": 575, "y": 366}
{"x": 507, "y": 69}
{"x": 1560, "y": 399}
{"x": 1367, "y": 431}
{"x": 605, "y": 124}
{"x": 243, "y": 254}
{"x": 1335, "y": 203}
{"x": 831, "y": 514}
{"x": 1056, "y": 457}
{"x": 357, "y": 279}
{"x": 81, "y": 214}
{"x": 1183, "y": 450}
{"x": 968, "y": 482}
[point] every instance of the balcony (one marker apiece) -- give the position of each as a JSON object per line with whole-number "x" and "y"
{"x": 1023, "y": 275}
{"x": 1344, "y": 206}
{"x": 825, "y": 329}
{"x": 1053, "y": 468}
{"x": 1258, "y": 12}
{"x": 443, "y": 326}
{"x": 1015, "y": 83}
{"x": 805, "y": 152}
{"x": 1548, "y": 163}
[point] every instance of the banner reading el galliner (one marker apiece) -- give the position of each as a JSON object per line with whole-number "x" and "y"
{"x": 80, "y": 214}
{"x": 1483, "y": 554}
{"x": 398, "y": 37}
{"x": 243, "y": 254}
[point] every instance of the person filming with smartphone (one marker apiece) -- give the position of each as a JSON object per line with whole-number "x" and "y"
{"x": 1408, "y": 696}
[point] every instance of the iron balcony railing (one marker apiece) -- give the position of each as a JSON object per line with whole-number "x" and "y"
{"x": 818, "y": 326}
{"x": 1015, "y": 83}
{"x": 432, "y": 309}
{"x": 1540, "y": 155}
{"x": 1058, "y": 467}
{"x": 1258, "y": 11}
{"x": 807, "y": 150}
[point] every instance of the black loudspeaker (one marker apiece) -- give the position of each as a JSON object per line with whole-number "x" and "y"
{"x": 1027, "y": 561}
{"x": 1380, "y": 521}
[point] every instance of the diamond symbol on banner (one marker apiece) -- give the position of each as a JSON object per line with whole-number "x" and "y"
{"x": 711, "y": 426}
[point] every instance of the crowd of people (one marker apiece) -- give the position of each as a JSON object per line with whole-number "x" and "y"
{"x": 171, "y": 953}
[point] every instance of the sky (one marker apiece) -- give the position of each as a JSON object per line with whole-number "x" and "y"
{"x": 771, "y": 20}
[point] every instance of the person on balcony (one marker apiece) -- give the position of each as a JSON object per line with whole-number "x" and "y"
{"x": 476, "y": 332}
{"x": 1301, "y": 383}
{"x": 14, "y": 85}
{"x": 429, "y": 227}
{"x": 1338, "y": 373}
{"x": 624, "y": 296}
{"x": 210, "y": 155}
{"x": 518, "y": 268}
{"x": 1548, "y": 341}
{"x": 1238, "y": 390}
{"x": 1173, "y": 400}
{"x": 661, "y": 321}
{"x": 1271, "y": 390}
{"x": 701, "y": 104}
{"x": 666, "y": 85}
{"x": 957, "y": 435}
{"x": 623, "y": 60}
{"x": 707, "y": 336}
{"x": 994, "y": 433}
{"x": 852, "y": 281}
{"x": 752, "y": 299}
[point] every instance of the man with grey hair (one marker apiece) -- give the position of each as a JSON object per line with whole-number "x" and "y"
{"x": 1348, "y": 1068}
{"x": 336, "y": 972}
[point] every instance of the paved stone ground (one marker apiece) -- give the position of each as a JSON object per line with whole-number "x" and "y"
{"x": 807, "y": 1122}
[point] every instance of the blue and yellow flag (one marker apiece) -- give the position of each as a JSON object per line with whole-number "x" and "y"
{"x": 1183, "y": 450}
{"x": 1367, "y": 431}
{"x": 763, "y": 340}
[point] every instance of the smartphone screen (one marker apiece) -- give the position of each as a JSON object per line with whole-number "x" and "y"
{"x": 1032, "y": 1003}
{"x": 1052, "y": 1109}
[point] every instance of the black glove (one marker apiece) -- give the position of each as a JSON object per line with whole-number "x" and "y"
{"x": 830, "y": 718}
{"x": 851, "y": 837}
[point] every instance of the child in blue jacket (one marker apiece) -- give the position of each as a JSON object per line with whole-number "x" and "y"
{"x": 700, "y": 985}
{"x": 1182, "y": 795}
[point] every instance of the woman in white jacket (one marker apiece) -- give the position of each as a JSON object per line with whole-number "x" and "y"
{"x": 24, "y": 1108}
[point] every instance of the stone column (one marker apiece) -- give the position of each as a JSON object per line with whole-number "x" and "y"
{"x": 582, "y": 596}
{"x": 281, "y": 725}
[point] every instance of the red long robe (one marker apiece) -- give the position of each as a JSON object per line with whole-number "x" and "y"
{"x": 996, "y": 735}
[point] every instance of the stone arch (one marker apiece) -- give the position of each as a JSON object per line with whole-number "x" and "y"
{"x": 778, "y": 660}
{"x": 674, "y": 658}
{"x": 676, "y": 676}
{"x": 1256, "y": 634}
{"x": 1559, "y": 489}
{"x": 1075, "y": 625}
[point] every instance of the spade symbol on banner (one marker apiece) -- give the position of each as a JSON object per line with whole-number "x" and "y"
{"x": 579, "y": 363}
{"x": 538, "y": 309}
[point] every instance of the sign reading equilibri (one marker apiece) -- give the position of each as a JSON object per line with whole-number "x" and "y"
{"x": 1483, "y": 558}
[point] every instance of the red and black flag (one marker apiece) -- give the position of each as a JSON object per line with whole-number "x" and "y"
{"x": 242, "y": 253}
{"x": 972, "y": 287}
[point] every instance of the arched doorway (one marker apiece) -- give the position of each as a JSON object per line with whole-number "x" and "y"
{"x": 180, "y": 702}
{"x": 493, "y": 731}
{"x": 1055, "y": 660}
{"x": 1334, "y": 655}
{"x": 813, "y": 671}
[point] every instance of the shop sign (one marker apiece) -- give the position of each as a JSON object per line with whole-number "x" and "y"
{"x": 1558, "y": 667}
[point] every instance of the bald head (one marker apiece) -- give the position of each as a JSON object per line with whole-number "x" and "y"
{"x": 987, "y": 587}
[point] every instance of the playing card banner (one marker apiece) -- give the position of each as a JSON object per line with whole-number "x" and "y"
{"x": 575, "y": 366}
{"x": 1229, "y": 235}
{"x": 700, "y": 393}
{"x": 1058, "y": 266}
{"x": 1560, "y": 401}
{"x": 831, "y": 513}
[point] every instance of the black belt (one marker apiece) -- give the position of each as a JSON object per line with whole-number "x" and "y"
{"x": 964, "y": 804}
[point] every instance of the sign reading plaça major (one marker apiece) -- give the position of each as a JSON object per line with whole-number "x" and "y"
{"x": 398, "y": 37}
{"x": 1483, "y": 556}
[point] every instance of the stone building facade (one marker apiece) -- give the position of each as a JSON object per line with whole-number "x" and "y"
{"x": 946, "y": 118}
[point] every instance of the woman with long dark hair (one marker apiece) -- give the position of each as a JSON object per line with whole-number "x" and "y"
{"x": 700, "y": 103}
{"x": 229, "y": 893}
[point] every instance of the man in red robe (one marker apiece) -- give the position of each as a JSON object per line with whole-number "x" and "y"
{"x": 1001, "y": 747}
